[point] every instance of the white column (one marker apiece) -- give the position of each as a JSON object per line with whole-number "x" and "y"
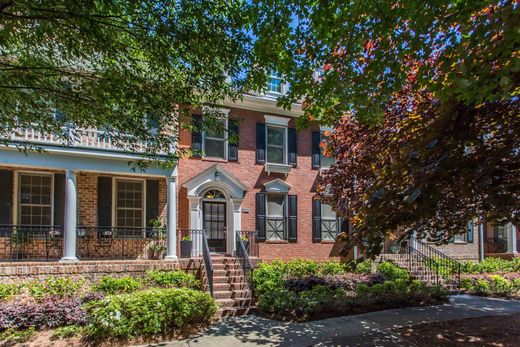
{"x": 69, "y": 230}
{"x": 196, "y": 224}
{"x": 171, "y": 223}
{"x": 481, "y": 241}
{"x": 512, "y": 237}
{"x": 237, "y": 221}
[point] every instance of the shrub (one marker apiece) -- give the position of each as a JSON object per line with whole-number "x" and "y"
{"x": 331, "y": 268}
{"x": 392, "y": 272}
{"x": 112, "y": 285}
{"x": 8, "y": 290}
{"x": 363, "y": 267}
{"x": 50, "y": 312}
{"x": 12, "y": 336}
{"x": 54, "y": 286}
{"x": 147, "y": 313}
{"x": 93, "y": 296}
{"x": 492, "y": 265}
{"x": 66, "y": 332}
{"x": 172, "y": 279}
{"x": 346, "y": 281}
{"x": 505, "y": 284}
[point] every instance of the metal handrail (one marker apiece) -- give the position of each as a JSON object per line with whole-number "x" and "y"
{"x": 20, "y": 242}
{"x": 244, "y": 260}
{"x": 207, "y": 262}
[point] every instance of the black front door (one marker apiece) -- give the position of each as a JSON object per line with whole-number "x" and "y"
{"x": 214, "y": 215}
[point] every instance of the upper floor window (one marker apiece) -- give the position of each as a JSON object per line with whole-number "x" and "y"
{"x": 276, "y": 144}
{"x": 215, "y": 139}
{"x": 319, "y": 159}
{"x": 329, "y": 223}
{"x": 275, "y": 84}
{"x": 325, "y": 161}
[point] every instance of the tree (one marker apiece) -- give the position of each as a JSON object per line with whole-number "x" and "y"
{"x": 424, "y": 96}
{"x": 134, "y": 68}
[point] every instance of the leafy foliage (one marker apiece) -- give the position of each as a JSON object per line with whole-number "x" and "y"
{"x": 393, "y": 272}
{"x": 13, "y": 336}
{"x": 147, "y": 313}
{"x": 122, "y": 66}
{"x": 49, "y": 312}
{"x": 66, "y": 332}
{"x": 169, "y": 279}
{"x": 54, "y": 286}
{"x": 492, "y": 265}
{"x": 112, "y": 285}
{"x": 8, "y": 290}
{"x": 503, "y": 285}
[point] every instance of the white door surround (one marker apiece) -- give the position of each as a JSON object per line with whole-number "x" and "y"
{"x": 232, "y": 190}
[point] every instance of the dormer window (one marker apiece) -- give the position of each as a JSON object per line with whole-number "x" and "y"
{"x": 275, "y": 84}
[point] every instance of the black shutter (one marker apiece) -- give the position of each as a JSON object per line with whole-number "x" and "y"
{"x": 59, "y": 199}
{"x": 6, "y": 196}
{"x": 233, "y": 135}
{"x": 316, "y": 150}
{"x": 292, "y": 223}
{"x": 260, "y": 215}
{"x": 343, "y": 225}
{"x": 471, "y": 232}
{"x": 104, "y": 201}
{"x": 196, "y": 134}
{"x": 316, "y": 220}
{"x": 260, "y": 143}
{"x": 152, "y": 201}
{"x": 293, "y": 147}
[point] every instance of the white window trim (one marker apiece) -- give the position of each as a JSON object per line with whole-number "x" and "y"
{"x": 114, "y": 198}
{"x": 336, "y": 219}
{"x": 285, "y": 218}
{"x": 16, "y": 192}
{"x": 225, "y": 116}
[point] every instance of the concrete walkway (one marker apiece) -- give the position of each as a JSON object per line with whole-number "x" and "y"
{"x": 368, "y": 329}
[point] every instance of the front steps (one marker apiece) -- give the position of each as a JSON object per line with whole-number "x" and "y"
{"x": 230, "y": 288}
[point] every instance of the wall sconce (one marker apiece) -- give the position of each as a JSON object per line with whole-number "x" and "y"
{"x": 217, "y": 176}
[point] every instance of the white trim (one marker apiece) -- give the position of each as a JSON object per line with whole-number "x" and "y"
{"x": 16, "y": 192}
{"x": 286, "y": 146}
{"x": 276, "y": 120}
{"x": 114, "y": 198}
{"x": 277, "y": 186}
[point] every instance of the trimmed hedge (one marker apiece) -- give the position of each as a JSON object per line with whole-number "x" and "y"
{"x": 492, "y": 265}
{"x": 147, "y": 313}
{"x": 172, "y": 279}
{"x": 113, "y": 285}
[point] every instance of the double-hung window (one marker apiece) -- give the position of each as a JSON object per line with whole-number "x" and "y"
{"x": 215, "y": 140}
{"x": 35, "y": 199}
{"x": 129, "y": 204}
{"x": 276, "y": 144}
{"x": 329, "y": 223}
{"x": 325, "y": 161}
{"x": 275, "y": 84}
{"x": 276, "y": 225}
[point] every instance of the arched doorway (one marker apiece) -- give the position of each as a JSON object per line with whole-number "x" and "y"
{"x": 214, "y": 219}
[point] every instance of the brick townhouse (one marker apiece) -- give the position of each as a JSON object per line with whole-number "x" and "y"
{"x": 80, "y": 200}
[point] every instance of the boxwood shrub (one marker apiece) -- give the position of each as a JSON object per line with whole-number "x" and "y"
{"x": 113, "y": 285}
{"x": 171, "y": 279}
{"x": 147, "y": 313}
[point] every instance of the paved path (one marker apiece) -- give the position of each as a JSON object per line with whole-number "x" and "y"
{"x": 368, "y": 329}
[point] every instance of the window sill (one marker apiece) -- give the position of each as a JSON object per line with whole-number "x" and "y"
{"x": 215, "y": 159}
{"x": 278, "y": 168}
{"x": 274, "y": 242}
{"x": 460, "y": 242}
{"x": 328, "y": 242}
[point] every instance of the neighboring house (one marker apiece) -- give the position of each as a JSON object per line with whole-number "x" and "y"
{"x": 81, "y": 200}
{"x": 500, "y": 240}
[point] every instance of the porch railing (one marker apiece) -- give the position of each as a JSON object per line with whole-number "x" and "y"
{"x": 249, "y": 239}
{"x": 495, "y": 246}
{"x": 197, "y": 241}
{"x": 244, "y": 259}
{"x": 96, "y": 242}
{"x": 78, "y": 137}
{"x": 30, "y": 242}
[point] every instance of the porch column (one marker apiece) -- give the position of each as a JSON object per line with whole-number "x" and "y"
{"x": 171, "y": 224}
{"x": 481, "y": 241}
{"x": 70, "y": 223}
{"x": 512, "y": 240}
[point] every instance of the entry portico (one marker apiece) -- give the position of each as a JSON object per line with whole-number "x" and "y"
{"x": 215, "y": 198}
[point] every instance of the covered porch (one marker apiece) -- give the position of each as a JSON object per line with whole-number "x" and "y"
{"x": 501, "y": 240}
{"x": 66, "y": 207}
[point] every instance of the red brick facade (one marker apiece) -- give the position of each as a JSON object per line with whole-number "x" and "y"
{"x": 302, "y": 180}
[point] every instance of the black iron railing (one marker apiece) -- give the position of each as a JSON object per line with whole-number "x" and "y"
{"x": 243, "y": 258}
{"x": 249, "y": 239}
{"x": 443, "y": 268}
{"x": 95, "y": 242}
{"x": 30, "y": 242}
{"x": 207, "y": 262}
{"x": 495, "y": 246}
{"x": 194, "y": 243}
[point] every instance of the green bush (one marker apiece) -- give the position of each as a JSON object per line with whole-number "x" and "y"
{"x": 12, "y": 336}
{"x": 66, "y": 332}
{"x": 393, "y": 272}
{"x": 147, "y": 313}
{"x": 363, "y": 267}
{"x": 498, "y": 285}
{"x": 492, "y": 265}
{"x": 112, "y": 285}
{"x": 8, "y": 290}
{"x": 172, "y": 279}
{"x": 55, "y": 286}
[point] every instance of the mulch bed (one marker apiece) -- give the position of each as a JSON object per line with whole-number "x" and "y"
{"x": 484, "y": 331}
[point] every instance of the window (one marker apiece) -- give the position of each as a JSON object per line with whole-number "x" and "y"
{"x": 129, "y": 204}
{"x": 275, "y": 84}
{"x": 329, "y": 223}
{"x": 276, "y": 205}
{"x": 35, "y": 199}
{"x": 214, "y": 194}
{"x": 325, "y": 161}
{"x": 215, "y": 140}
{"x": 276, "y": 144}
{"x": 460, "y": 237}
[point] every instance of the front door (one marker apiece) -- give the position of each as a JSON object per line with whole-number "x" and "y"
{"x": 214, "y": 216}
